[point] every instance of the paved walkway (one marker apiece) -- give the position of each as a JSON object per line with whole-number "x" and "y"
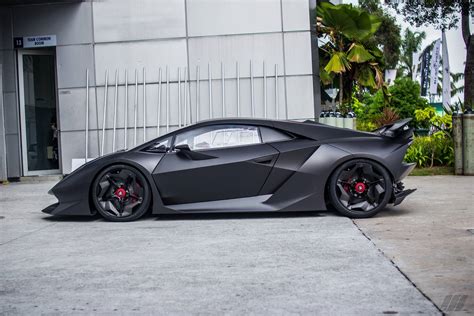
{"x": 430, "y": 237}
{"x": 305, "y": 263}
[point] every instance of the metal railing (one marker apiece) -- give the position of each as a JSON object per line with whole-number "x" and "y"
{"x": 185, "y": 105}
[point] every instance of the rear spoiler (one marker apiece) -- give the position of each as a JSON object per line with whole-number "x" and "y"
{"x": 398, "y": 129}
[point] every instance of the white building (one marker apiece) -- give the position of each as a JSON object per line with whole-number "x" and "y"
{"x": 47, "y": 47}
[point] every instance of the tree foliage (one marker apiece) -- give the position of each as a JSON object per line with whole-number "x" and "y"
{"x": 444, "y": 15}
{"x": 388, "y": 34}
{"x": 346, "y": 30}
{"x": 411, "y": 43}
{"x": 404, "y": 100}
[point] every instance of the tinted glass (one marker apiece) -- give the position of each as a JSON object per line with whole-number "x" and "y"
{"x": 161, "y": 146}
{"x": 219, "y": 136}
{"x": 270, "y": 135}
{"x": 40, "y": 112}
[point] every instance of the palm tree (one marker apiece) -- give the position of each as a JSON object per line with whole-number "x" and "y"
{"x": 346, "y": 53}
{"x": 455, "y": 80}
{"x": 411, "y": 43}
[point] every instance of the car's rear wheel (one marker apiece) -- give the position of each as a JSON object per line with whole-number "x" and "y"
{"x": 121, "y": 193}
{"x": 360, "y": 188}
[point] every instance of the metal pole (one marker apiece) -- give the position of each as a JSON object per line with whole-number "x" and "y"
{"x": 167, "y": 99}
{"x": 158, "y": 111}
{"x": 276, "y": 92}
{"x": 105, "y": 112}
{"x": 115, "y": 110}
{"x": 179, "y": 97}
{"x": 126, "y": 111}
{"x": 144, "y": 105}
{"x": 198, "y": 92}
{"x": 264, "y": 91}
{"x": 223, "y": 88}
{"x": 135, "y": 110}
{"x": 87, "y": 116}
{"x": 238, "y": 88}
{"x": 210, "y": 89}
{"x": 252, "y": 102}
{"x": 186, "y": 96}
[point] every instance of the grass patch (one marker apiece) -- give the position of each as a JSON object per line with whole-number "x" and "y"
{"x": 435, "y": 171}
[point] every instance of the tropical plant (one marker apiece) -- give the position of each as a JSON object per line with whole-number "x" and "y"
{"x": 387, "y": 116}
{"x": 411, "y": 43}
{"x": 456, "y": 86}
{"x": 430, "y": 151}
{"x": 444, "y": 15}
{"x": 417, "y": 152}
{"x": 403, "y": 97}
{"x": 455, "y": 82}
{"x": 388, "y": 34}
{"x": 345, "y": 29}
{"x": 438, "y": 123}
{"x": 436, "y": 148}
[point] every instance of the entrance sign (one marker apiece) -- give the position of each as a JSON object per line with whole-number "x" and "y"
{"x": 34, "y": 41}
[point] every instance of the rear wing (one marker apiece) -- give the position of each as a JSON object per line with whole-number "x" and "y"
{"x": 398, "y": 129}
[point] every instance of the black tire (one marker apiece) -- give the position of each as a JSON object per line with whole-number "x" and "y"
{"x": 360, "y": 188}
{"x": 120, "y": 193}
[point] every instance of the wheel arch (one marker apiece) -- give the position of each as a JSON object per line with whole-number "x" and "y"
{"x": 128, "y": 163}
{"x": 350, "y": 158}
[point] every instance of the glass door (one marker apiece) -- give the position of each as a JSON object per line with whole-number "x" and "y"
{"x": 39, "y": 126}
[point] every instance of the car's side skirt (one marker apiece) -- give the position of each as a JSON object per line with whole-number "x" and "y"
{"x": 247, "y": 204}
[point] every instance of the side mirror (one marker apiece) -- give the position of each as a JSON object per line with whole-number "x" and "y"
{"x": 182, "y": 147}
{"x": 160, "y": 149}
{"x": 184, "y": 151}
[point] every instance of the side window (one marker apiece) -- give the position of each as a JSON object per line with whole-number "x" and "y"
{"x": 161, "y": 146}
{"x": 219, "y": 136}
{"x": 270, "y": 135}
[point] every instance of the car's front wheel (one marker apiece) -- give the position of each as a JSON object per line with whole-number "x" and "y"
{"x": 121, "y": 193}
{"x": 360, "y": 188}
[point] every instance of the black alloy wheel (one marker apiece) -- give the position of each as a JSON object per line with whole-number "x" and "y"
{"x": 121, "y": 193}
{"x": 360, "y": 188}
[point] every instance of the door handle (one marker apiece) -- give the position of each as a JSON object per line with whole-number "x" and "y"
{"x": 264, "y": 160}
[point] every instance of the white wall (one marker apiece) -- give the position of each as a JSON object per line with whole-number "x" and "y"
{"x": 152, "y": 34}
{"x": 3, "y": 149}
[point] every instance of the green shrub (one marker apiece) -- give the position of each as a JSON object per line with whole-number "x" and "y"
{"x": 366, "y": 126}
{"x": 418, "y": 152}
{"x": 429, "y": 151}
{"x": 404, "y": 99}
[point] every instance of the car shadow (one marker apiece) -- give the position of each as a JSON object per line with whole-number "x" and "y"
{"x": 200, "y": 216}
{"x": 239, "y": 215}
{"x": 65, "y": 218}
{"x": 386, "y": 213}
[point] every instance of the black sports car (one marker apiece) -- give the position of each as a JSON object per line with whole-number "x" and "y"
{"x": 244, "y": 165}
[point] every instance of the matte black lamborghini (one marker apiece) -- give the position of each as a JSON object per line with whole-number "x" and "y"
{"x": 244, "y": 165}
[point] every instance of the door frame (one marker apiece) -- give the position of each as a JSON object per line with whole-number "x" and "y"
{"x": 21, "y": 97}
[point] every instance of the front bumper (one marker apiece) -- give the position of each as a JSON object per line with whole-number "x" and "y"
{"x": 50, "y": 209}
{"x": 69, "y": 208}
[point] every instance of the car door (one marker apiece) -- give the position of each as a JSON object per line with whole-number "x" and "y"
{"x": 223, "y": 162}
